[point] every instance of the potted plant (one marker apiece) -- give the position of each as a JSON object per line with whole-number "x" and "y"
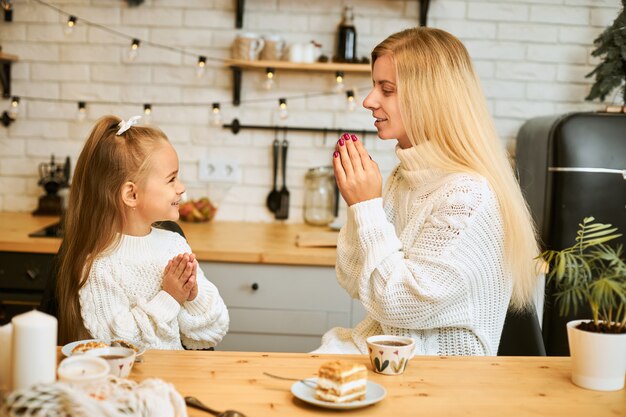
{"x": 594, "y": 273}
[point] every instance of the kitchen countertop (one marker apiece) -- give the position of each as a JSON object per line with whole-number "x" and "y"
{"x": 261, "y": 243}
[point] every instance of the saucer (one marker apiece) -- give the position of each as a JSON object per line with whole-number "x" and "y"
{"x": 374, "y": 393}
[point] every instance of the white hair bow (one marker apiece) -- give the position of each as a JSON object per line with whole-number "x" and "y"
{"x": 126, "y": 124}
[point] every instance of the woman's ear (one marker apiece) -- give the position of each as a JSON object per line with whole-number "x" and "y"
{"x": 129, "y": 194}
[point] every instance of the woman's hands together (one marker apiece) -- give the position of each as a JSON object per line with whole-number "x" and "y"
{"x": 180, "y": 277}
{"x": 358, "y": 176}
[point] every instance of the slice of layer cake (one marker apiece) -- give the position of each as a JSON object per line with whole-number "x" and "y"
{"x": 341, "y": 382}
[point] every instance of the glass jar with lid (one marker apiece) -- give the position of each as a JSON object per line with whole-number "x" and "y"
{"x": 319, "y": 196}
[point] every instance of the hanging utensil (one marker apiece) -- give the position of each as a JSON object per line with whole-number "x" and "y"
{"x": 283, "y": 211}
{"x": 273, "y": 198}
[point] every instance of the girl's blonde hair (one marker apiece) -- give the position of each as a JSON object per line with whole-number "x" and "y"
{"x": 95, "y": 215}
{"x": 441, "y": 101}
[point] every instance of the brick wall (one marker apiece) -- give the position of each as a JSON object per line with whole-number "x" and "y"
{"x": 532, "y": 56}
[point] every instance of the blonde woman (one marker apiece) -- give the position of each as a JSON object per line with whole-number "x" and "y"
{"x": 446, "y": 248}
{"x": 119, "y": 277}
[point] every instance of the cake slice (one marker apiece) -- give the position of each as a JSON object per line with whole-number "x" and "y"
{"x": 341, "y": 382}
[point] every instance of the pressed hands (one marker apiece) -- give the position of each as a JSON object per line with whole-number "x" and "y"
{"x": 358, "y": 176}
{"x": 180, "y": 277}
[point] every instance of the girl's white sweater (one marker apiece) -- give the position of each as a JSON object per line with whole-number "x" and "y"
{"x": 123, "y": 299}
{"x": 426, "y": 261}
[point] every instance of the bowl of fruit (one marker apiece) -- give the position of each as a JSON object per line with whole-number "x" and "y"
{"x": 197, "y": 210}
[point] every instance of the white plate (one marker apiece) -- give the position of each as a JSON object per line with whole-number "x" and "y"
{"x": 373, "y": 394}
{"x": 67, "y": 349}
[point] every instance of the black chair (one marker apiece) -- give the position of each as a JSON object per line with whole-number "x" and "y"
{"x": 521, "y": 335}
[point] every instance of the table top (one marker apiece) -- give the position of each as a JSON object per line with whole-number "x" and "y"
{"x": 263, "y": 243}
{"x": 431, "y": 386}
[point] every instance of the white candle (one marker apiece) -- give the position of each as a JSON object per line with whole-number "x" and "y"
{"x": 6, "y": 347}
{"x": 83, "y": 369}
{"x": 34, "y": 349}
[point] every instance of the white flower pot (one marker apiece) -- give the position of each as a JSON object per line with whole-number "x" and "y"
{"x": 598, "y": 359}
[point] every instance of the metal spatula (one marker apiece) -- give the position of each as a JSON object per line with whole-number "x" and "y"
{"x": 283, "y": 210}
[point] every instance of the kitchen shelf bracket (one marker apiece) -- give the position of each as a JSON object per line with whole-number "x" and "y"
{"x": 5, "y": 73}
{"x": 239, "y": 13}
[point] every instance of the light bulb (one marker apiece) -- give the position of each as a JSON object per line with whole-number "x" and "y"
{"x": 201, "y": 68}
{"x": 14, "y": 108}
{"x": 282, "y": 108}
{"x": 69, "y": 27}
{"x": 339, "y": 76}
{"x": 147, "y": 113}
{"x": 268, "y": 84}
{"x": 351, "y": 104}
{"x": 216, "y": 115}
{"x": 82, "y": 111}
{"x": 134, "y": 49}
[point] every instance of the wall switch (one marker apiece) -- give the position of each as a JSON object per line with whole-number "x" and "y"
{"x": 219, "y": 170}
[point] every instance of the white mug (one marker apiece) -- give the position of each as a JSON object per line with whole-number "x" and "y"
{"x": 303, "y": 52}
{"x": 273, "y": 49}
{"x": 247, "y": 46}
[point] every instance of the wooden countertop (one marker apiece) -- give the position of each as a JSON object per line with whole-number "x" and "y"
{"x": 264, "y": 243}
{"x": 431, "y": 386}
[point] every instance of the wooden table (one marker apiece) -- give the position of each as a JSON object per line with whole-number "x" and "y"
{"x": 430, "y": 387}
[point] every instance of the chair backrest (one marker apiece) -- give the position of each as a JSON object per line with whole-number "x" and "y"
{"x": 521, "y": 335}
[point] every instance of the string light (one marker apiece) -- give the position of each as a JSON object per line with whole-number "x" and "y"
{"x": 339, "y": 76}
{"x": 71, "y": 23}
{"x": 201, "y": 69}
{"x": 216, "y": 115}
{"x": 14, "y": 107}
{"x": 134, "y": 49}
{"x": 282, "y": 108}
{"x": 351, "y": 100}
{"x": 8, "y": 10}
{"x": 268, "y": 84}
{"x": 147, "y": 113}
{"x": 82, "y": 111}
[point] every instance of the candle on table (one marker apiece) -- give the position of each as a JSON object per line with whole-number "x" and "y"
{"x": 6, "y": 347}
{"x": 34, "y": 349}
{"x": 83, "y": 370}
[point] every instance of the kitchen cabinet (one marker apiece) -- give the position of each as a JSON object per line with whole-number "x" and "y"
{"x": 280, "y": 308}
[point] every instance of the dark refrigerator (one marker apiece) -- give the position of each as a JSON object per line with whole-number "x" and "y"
{"x": 570, "y": 167}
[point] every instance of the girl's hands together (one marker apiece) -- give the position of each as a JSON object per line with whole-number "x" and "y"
{"x": 358, "y": 176}
{"x": 179, "y": 277}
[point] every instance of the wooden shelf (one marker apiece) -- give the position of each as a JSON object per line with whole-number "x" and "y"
{"x": 5, "y": 73}
{"x": 299, "y": 66}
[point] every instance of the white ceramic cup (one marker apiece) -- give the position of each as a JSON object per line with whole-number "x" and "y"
{"x": 247, "y": 46}
{"x": 120, "y": 359}
{"x": 390, "y": 355}
{"x": 303, "y": 52}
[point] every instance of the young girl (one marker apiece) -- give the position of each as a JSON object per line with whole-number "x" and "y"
{"x": 450, "y": 245}
{"x": 120, "y": 278}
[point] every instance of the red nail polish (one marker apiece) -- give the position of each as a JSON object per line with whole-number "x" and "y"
{"x": 346, "y": 136}
{"x": 335, "y": 154}
{"x": 354, "y": 138}
{"x": 341, "y": 142}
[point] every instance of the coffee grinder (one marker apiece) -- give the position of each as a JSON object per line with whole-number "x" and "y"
{"x": 52, "y": 177}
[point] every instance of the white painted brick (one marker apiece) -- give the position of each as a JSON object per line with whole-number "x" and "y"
{"x": 556, "y": 92}
{"x": 573, "y": 73}
{"x": 139, "y": 74}
{"x": 497, "y": 11}
{"x": 603, "y": 17}
{"x": 149, "y": 94}
{"x": 20, "y": 71}
{"x": 188, "y": 4}
{"x": 507, "y": 127}
{"x": 151, "y": 55}
{"x": 44, "y": 148}
{"x": 144, "y": 16}
{"x": 444, "y": 9}
{"x": 107, "y": 16}
{"x": 13, "y": 32}
{"x": 525, "y": 71}
{"x": 10, "y": 147}
{"x": 12, "y": 185}
{"x": 386, "y": 26}
{"x": 19, "y": 203}
{"x": 182, "y": 38}
{"x": 201, "y": 95}
{"x": 323, "y": 6}
{"x": 528, "y": 32}
{"x": 362, "y": 7}
{"x": 91, "y": 91}
{"x": 560, "y": 15}
{"x": 35, "y": 89}
{"x": 566, "y": 54}
{"x": 495, "y": 50}
{"x": 51, "y": 110}
{"x": 32, "y": 52}
{"x": 209, "y": 19}
{"x": 484, "y": 69}
{"x": 578, "y": 107}
{"x": 579, "y": 35}
{"x": 89, "y": 54}
{"x": 35, "y": 13}
{"x": 54, "y": 33}
{"x": 608, "y": 3}
{"x": 468, "y": 29}
{"x": 523, "y": 109}
{"x": 99, "y": 36}
{"x": 503, "y": 89}
{"x": 272, "y": 22}
{"x": 17, "y": 166}
{"x": 59, "y": 72}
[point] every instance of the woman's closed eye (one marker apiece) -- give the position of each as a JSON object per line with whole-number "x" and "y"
{"x": 172, "y": 179}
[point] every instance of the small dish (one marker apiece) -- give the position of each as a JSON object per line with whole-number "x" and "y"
{"x": 68, "y": 348}
{"x": 374, "y": 393}
{"x": 120, "y": 359}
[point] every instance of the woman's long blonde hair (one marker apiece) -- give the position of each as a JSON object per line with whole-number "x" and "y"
{"x": 95, "y": 215}
{"x": 441, "y": 101}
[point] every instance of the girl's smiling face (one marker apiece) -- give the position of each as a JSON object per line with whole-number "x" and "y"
{"x": 383, "y": 102}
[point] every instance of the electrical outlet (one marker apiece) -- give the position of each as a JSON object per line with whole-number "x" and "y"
{"x": 219, "y": 170}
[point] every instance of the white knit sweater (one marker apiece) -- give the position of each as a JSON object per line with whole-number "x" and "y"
{"x": 426, "y": 261}
{"x": 123, "y": 299}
